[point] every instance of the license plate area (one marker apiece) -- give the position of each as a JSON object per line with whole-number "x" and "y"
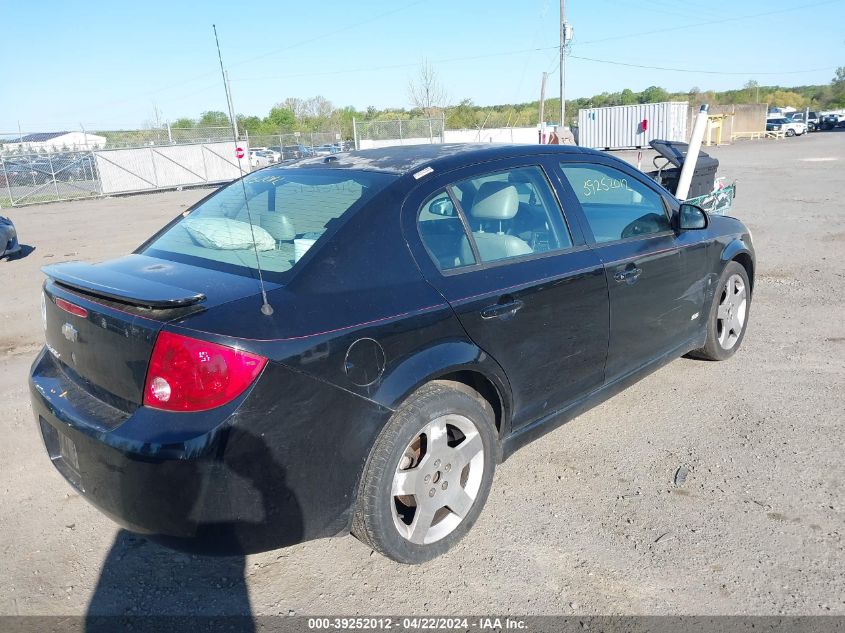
{"x": 62, "y": 452}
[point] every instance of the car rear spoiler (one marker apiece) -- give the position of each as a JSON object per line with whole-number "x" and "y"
{"x": 101, "y": 281}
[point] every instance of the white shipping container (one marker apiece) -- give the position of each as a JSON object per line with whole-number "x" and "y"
{"x": 623, "y": 127}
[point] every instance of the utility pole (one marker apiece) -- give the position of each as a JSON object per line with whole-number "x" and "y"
{"x": 565, "y": 38}
{"x": 542, "y": 104}
{"x": 562, "y": 65}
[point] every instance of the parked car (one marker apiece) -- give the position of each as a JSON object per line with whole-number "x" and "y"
{"x": 274, "y": 153}
{"x": 295, "y": 152}
{"x": 425, "y": 312}
{"x": 9, "y": 246}
{"x": 812, "y": 121}
{"x": 324, "y": 150}
{"x": 21, "y": 172}
{"x": 790, "y": 128}
{"x": 830, "y": 121}
{"x": 259, "y": 159}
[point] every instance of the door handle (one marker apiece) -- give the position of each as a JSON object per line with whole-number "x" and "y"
{"x": 502, "y": 310}
{"x": 630, "y": 275}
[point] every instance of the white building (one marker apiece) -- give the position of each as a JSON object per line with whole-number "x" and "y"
{"x": 55, "y": 142}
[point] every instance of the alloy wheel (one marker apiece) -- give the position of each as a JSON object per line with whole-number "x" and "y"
{"x": 730, "y": 316}
{"x": 438, "y": 479}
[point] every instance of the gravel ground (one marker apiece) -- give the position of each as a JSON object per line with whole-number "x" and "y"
{"x": 592, "y": 519}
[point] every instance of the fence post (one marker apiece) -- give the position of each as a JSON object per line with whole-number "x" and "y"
{"x": 400, "y": 131}
{"x": 153, "y": 163}
{"x": 6, "y": 178}
{"x": 92, "y": 163}
{"x": 355, "y": 133}
{"x": 53, "y": 175}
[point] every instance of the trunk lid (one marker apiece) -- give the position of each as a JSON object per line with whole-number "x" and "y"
{"x": 102, "y": 320}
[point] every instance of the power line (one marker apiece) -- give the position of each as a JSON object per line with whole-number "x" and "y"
{"x": 327, "y": 34}
{"x": 709, "y": 22}
{"x": 393, "y": 66}
{"x": 699, "y": 71}
{"x": 186, "y": 80}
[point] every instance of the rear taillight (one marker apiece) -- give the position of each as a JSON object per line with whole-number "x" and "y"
{"x": 72, "y": 308}
{"x": 186, "y": 374}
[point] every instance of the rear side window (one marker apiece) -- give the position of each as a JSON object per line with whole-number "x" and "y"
{"x": 509, "y": 214}
{"x": 443, "y": 234}
{"x": 617, "y": 205}
{"x": 512, "y": 213}
{"x": 290, "y": 210}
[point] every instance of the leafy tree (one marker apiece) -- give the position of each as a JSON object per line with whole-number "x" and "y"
{"x": 837, "y": 89}
{"x": 654, "y": 94}
{"x": 281, "y": 117}
{"x": 462, "y": 116}
{"x": 213, "y": 118}
{"x": 784, "y": 98}
{"x": 183, "y": 122}
{"x": 627, "y": 97}
{"x": 251, "y": 124}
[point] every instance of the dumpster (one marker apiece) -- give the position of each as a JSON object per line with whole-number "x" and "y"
{"x": 707, "y": 191}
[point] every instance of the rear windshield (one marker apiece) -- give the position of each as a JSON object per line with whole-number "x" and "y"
{"x": 290, "y": 209}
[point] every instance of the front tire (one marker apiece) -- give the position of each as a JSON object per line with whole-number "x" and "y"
{"x": 790, "y": 132}
{"x": 728, "y": 318}
{"x": 429, "y": 474}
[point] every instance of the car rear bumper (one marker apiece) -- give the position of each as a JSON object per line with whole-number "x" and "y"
{"x": 234, "y": 480}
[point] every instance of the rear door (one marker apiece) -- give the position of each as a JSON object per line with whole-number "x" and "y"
{"x": 628, "y": 223}
{"x": 493, "y": 241}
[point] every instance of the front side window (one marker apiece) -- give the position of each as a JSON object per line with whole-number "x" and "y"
{"x": 617, "y": 206}
{"x": 290, "y": 210}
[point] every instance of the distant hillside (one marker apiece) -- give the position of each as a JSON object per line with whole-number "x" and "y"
{"x": 318, "y": 114}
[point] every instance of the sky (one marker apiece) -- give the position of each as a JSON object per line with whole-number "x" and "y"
{"x": 120, "y": 65}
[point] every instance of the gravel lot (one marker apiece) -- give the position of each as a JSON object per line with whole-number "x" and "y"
{"x": 586, "y": 520}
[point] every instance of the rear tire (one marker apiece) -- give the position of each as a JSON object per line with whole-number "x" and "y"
{"x": 729, "y": 311}
{"x": 428, "y": 475}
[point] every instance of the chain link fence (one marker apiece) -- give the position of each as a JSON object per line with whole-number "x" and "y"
{"x": 296, "y": 145}
{"x": 369, "y": 134}
{"x": 20, "y": 143}
{"x": 44, "y": 177}
{"x": 45, "y": 167}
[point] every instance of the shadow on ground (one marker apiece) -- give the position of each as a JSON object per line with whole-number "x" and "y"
{"x": 141, "y": 579}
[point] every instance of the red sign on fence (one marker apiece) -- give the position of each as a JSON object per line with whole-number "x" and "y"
{"x": 239, "y": 152}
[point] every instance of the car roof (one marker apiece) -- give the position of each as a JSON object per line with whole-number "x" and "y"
{"x": 406, "y": 159}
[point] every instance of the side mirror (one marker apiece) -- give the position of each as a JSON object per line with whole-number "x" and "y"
{"x": 691, "y": 218}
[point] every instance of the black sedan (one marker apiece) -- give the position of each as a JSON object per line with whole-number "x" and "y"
{"x": 353, "y": 342}
{"x": 9, "y": 246}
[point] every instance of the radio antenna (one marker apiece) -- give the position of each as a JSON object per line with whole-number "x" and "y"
{"x": 266, "y": 308}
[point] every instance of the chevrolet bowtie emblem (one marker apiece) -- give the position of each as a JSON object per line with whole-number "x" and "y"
{"x": 70, "y": 332}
